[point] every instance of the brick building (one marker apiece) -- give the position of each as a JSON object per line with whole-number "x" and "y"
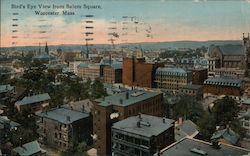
{"x": 63, "y": 128}
{"x": 223, "y": 86}
{"x": 86, "y": 71}
{"x": 199, "y": 76}
{"x": 172, "y": 78}
{"x": 192, "y": 90}
{"x": 33, "y": 103}
{"x": 112, "y": 73}
{"x": 136, "y": 72}
{"x": 111, "y": 109}
{"x": 141, "y": 135}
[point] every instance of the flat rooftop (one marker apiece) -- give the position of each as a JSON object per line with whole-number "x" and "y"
{"x": 149, "y": 125}
{"x": 193, "y": 147}
{"x": 63, "y": 115}
{"x": 126, "y": 98}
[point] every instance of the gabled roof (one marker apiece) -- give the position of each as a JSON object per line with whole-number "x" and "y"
{"x": 188, "y": 127}
{"x": 228, "y": 49}
{"x": 4, "y": 121}
{"x": 33, "y": 99}
{"x": 29, "y": 149}
{"x": 6, "y": 88}
{"x": 227, "y": 134}
{"x": 223, "y": 81}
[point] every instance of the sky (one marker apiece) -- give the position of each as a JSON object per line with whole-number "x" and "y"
{"x": 123, "y": 21}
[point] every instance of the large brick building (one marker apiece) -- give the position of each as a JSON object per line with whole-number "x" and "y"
{"x": 63, "y": 128}
{"x": 199, "y": 76}
{"x": 172, "y": 78}
{"x": 141, "y": 135}
{"x": 223, "y": 86}
{"x": 136, "y": 72}
{"x": 87, "y": 71}
{"x": 112, "y": 73}
{"x": 111, "y": 109}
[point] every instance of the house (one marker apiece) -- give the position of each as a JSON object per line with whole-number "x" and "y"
{"x": 29, "y": 149}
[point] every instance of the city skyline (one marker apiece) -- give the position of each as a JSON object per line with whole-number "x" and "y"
{"x": 134, "y": 21}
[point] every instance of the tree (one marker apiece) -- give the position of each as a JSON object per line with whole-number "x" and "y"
{"x": 97, "y": 89}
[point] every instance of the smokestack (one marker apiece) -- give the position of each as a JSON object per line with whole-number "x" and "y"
{"x": 163, "y": 120}
{"x": 68, "y": 118}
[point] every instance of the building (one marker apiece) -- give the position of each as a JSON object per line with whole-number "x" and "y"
{"x": 6, "y": 89}
{"x": 192, "y": 147}
{"x": 185, "y": 129}
{"x": 111, "y": 109}
{"x": 226, "y": 135}
{"x": 29, "y": 149}
{"x": 192, "y": 90}
{"x": 63, "y": 128}
{"x": 33, "y": 103}
{"x": 199, "y": 76}
{"x": 230, "y": 56}
{"x": 89, "y": 71}
{"x": 223, "y": 86}
{"x": 172, "y": 79}
{"x": 141, "y": 135}
{"x": 112, "y": 73}
{"x": 136, "y": 72}
{"x": 245, "y": 121}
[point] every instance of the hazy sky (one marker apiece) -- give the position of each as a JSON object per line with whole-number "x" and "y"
{"x": 145, "y": 21}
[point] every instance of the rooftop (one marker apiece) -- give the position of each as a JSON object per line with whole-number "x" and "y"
{"x": 4, "y": 121}
{"x": 227, "y": 134}
{"x": 149, "y": 125}
{"x": 172, "y": 71}
{"x": 224, "y": 81}
{"x": 228, "y": 49}
{"x": 33, "y": 99}
{"x": 187, "y": 128}
{"x": 81, "y": 106}
{"x": 6, "y": 88}
{"x": 194, "y": 147}
{"x": 126, "y": 98}
{"x": 192, "y": 87}
{"x": 29, "y": 149}
{"x": 63, "y": 115}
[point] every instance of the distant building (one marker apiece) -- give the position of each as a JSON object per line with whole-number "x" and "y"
{"x": 63, "y": 128}
{"x": 86, "y": 71}
{"x": 29, "y": 149}
{"x": 192, "y": 90}
{"x": 137, "y": 72}
{"x": 199, "y": 76}
{"x": 245, "y": 121}
{"x": 112, "y": 73}
{"x": 223, "y": 86}
{"x": 245, "y": 105}
{"x": 141, "y": 135}
{"x": 172, "y": 78}
{"x": 6, "y": 89}
{"x": 192, "y": 147}
{"x": 33, "y": 103}
{"x": 111, "y": 109}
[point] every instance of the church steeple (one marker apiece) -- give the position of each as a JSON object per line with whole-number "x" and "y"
{"x": 46, "y": 49}
{"x": 39, "y": 50}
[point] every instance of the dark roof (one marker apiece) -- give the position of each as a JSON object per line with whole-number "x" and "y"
{"x": 227, "y": 134}
{"x": 6, "y": 88}
{"x": 194, "y": 147}
{"x": 29, "y": 149}
{"x": 134, "y": 96}
{"x": 33, "y": 99}
{"x": 192, "y": 87}
{"x": 223, "y": 81}
{"x": 149, "y": 125}
{"x": 63, "y": 115}
{"x": 228, "y": 49}
{"x": 172, "y": 71}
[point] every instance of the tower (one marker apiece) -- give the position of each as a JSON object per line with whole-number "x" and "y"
{"x": 246, "y": 44}
{"x": 46, "y": 49}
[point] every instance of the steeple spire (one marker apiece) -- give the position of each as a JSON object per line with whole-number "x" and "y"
{"x": 46, "y": 49}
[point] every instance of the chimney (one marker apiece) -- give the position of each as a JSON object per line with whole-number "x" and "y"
{"x": 68, "y": 118}
{"x": 127, "y": 95}
{"x": 180, "y": 120}
{"x": 163, "y": 120}
{"x": 138, "y": 124}
{"x": 139, "y": 116}
{"x": 215, "y": 144}
{"x": 228, "y": 128}
{"x": 121, "y": 101}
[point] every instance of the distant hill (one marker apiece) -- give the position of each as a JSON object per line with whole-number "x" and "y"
{"x": 143, "y": 45}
